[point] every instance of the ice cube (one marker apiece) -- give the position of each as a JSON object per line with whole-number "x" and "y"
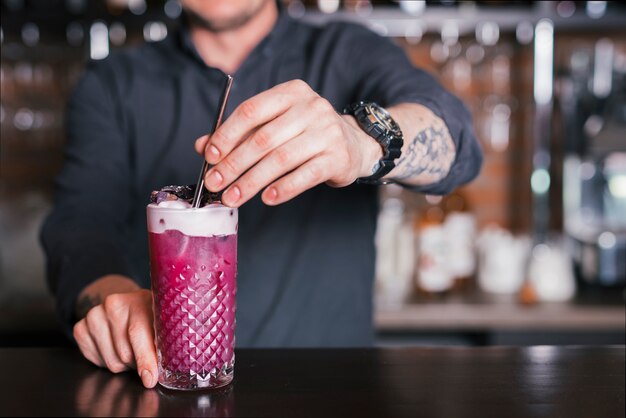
{"x": 185, "y": 194}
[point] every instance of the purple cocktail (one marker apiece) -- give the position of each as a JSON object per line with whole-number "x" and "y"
{"x": 193, "y": 267}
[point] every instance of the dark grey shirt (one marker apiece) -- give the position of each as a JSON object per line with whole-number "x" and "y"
{"x": 305, "y": 267}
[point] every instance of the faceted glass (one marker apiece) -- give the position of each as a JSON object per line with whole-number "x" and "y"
{"x": 194, "y": 288}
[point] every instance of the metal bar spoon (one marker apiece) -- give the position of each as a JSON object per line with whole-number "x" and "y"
{"x": 197, "y": 196}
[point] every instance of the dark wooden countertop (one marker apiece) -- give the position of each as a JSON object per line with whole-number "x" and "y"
{"x": 542, "y": 381}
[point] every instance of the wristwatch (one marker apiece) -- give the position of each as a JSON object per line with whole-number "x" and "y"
{"x": 379, "y": 124}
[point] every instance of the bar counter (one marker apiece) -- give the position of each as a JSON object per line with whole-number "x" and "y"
{"x": 540, "y": 381}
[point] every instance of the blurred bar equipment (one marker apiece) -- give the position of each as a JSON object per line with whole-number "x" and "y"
{"x": 542, "y": 93}
{"x": 593, "y": 104}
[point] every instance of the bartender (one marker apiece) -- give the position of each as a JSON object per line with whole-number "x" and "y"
{"x": 318, "y": 117}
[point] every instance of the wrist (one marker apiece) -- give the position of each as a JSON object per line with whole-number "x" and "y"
{"x": 95, "y": 293}
{"x": 376, "y": 122}
{"x": 371, "y": 151}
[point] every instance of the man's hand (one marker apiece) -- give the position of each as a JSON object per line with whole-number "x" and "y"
{"x": 117, "y": 331}
{"x": 285, "y": 140}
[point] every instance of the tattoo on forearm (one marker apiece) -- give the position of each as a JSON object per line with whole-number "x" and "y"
{"x": 85, "y": 303}
{"x": 428, "y": 156}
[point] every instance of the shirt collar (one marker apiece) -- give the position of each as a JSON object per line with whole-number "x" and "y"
{"x": 268, "y": 46}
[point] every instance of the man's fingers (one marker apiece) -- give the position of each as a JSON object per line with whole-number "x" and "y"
{"x": 119, "y": 332}
{"x": 116, "y": 309}
{"x": 99, "y": 329}
{"x": 284, "y": 128}
{"x": 253, "y": 113}
{"x": 86, "y": 344}
{"x": 307, "y": 176}
{"x": 141, "y": 336}
{"x": 279, "y": 162}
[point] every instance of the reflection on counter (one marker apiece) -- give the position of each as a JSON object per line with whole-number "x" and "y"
{"x": 101, "y": 394}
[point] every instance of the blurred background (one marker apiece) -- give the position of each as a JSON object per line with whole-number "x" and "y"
{"x": 532, "y": 252}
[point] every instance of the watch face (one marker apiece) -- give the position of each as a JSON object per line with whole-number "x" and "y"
{"x": 381, "y": 116}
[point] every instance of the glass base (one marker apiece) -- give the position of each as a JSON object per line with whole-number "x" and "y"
{"x": 188, "y": 381}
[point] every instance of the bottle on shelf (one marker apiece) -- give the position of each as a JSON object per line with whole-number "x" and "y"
{"x": 433, "y": 277}
{"x": 394, "y": 250}
{"x": 460, "y": 229}
{"x": 446, "y": 235}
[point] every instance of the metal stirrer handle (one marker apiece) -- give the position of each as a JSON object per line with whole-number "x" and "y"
{"x": 197, "y": 196}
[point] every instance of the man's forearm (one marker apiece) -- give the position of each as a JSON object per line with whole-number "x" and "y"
{"x": 428, "y": 151}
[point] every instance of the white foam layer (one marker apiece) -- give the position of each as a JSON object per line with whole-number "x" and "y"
{"x": 208, "y": 221}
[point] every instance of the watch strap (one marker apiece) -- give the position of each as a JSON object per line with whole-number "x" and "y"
{"x": 390, "y": 140}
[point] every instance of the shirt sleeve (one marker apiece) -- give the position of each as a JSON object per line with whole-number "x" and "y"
{"x": 389, "y": 78}
{"x": 84, "y": 236}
